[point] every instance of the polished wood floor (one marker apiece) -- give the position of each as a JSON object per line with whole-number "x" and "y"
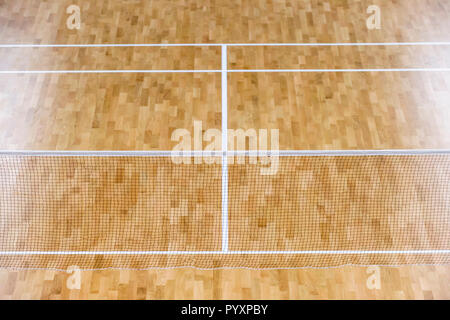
{"x": 136, "y": 111}
{"x": 235, "y": 21}
{"x": 130, "y": 111}
{"x": 408, "y": 282}
{"x": 335, "y": 111}
{"x": 358, "y": 110}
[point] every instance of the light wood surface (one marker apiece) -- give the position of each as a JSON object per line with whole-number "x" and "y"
{"x": 411, "y": 282}
{"x": 128, "y": 111}
{"x": 338, "y": 57}
{"x": 139, "y": 112}
{"x": 235, "y": 21}
{"x": 110, "y": 58}
{"x": 393, "y": 110}
{"x": 376, "y": 110}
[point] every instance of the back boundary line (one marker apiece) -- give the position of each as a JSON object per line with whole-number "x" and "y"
{"x": 225, "y": 71}
{"x": 283, "y": 153}
{"x": 329, "y": 44}
{"x": 326, "y": 252}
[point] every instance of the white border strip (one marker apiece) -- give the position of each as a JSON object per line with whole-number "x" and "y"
{"x": 336, "y": 44}
{"x": 50, "y": 153}
{"x": 326, "y": 252}
{"x": 106, "y": 71}
{"x": 343, "y": 70}
{"x": 224, "y": 84}
{"x": 221, "y": 71}
{"x": 286, "y": 153}
{"x": 432, "y": 43}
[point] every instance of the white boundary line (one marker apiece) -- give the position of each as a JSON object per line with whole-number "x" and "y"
{"x": 106, "y": 71}
{"x": 224, "y": 85}
{"x": 343, "y": 70}
{"x": 221, "y": 71}
{"x": 286, "y": 153}
{"x": 431, "y": 43}
{"x": 327, "y": 252}
{"x": 336, "y": 44}
{"x": 222, "y": 45}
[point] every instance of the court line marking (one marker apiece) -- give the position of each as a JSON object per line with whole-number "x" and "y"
{"x": 343, "y": 70}
{"x": 327, "y": 252}
{"x": 226, "y": 71}
{"x": 107, "y": 71}
{"x": 225, "y": 46}
{"x": 224, "y": 87}
{"x": 293, "y": 153}
{"x": 420, "y": 43}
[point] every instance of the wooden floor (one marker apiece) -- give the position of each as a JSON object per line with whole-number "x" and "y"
{"x": 235, "y": 21}
{"x": 418, "y": 282}
{"x": 140, "y": 111}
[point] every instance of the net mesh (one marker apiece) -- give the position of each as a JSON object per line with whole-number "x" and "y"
{"x": 141, "y": 212}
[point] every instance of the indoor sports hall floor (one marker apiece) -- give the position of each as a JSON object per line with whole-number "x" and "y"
{"x": 112, "y": 110}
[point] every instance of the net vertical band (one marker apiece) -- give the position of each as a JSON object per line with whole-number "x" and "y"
{"x": 224, "y": 150}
